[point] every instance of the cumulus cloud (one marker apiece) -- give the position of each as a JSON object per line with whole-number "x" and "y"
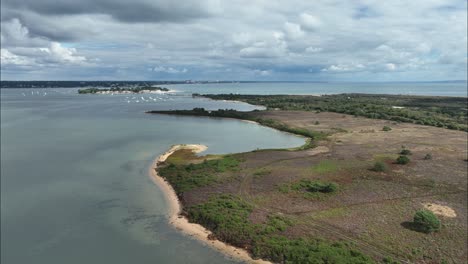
{"x": 309, "y": 22}
{"x": 8, "y": 58}
{"x": 56, "y": 53}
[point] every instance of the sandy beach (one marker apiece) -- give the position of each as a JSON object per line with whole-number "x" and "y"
{"x": 181, "y": 223}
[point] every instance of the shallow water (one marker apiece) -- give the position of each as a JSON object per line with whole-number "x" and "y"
{"x": 74, "y": 183}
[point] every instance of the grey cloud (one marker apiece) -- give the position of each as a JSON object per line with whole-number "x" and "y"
{"x": 122, "y": 10}
{"x": 249, "y": 39}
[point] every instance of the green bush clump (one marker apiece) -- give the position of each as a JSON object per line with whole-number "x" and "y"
{"x": 386, "y": 128}
{"x": 380, "y": 166}
{"x": 402, "y": 160}
{"x": 314, "y": 186}
{"x": 405, "y": 152}
{"x": 426, "y": 221}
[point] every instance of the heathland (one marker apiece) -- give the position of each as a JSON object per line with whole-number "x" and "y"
{"x": 361, "y": 190}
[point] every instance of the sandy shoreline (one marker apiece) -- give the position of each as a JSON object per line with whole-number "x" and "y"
{"x": 181, "y": 223}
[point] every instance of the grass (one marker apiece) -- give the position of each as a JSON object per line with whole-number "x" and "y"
{"x": 325, "y": 166}
{"x": 333, "y": 212}
{"x": 185, "y": 177}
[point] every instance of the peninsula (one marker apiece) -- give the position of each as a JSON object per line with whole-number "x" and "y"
{"x": 360, "y": 190}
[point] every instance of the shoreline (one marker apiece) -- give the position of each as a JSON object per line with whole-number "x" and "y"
{"x": 181, "y": 223}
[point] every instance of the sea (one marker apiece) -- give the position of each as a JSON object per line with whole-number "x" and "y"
{"x": 74, "y": 181}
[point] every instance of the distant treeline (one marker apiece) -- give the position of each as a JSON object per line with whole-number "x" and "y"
{"x": 447, "y": 112}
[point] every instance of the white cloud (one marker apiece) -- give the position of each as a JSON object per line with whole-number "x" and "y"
{"x": 309, "y": 22}
{"x": 344, "y": 68}
{"x": 56, "y": 53}
{"x": 293, "y": 31}
{"x": 313, "y": 49}
{"x": 8, "y": 58}
{"x": 390, "y": 66}
{"x": 169, "y": 70}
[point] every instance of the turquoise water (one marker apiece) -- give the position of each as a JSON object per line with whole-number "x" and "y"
{"x": 410, "y": 88}
{"x": 74, "y": 183}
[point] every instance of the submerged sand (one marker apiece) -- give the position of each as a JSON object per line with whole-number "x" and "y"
{"x": 181, "y": 223}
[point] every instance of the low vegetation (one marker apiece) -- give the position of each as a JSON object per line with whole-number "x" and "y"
{"x": 227, "y": 216}
{"x": 386, "y": 128}
{"x": 309, "y": 188}
{"x": 187, "y": 177}
{"x": 402, "y": 160}
{"x": 405, "y": 151}
{"x": 380, "y": 166}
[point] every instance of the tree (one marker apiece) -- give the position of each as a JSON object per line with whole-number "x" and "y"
{"x": 426, "y": 221}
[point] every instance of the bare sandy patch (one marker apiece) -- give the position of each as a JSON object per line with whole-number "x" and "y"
{"x": 439, "y": 209}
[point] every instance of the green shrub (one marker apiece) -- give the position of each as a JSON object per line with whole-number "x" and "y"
{"x": 380, "y": 166}
{"x": 386, "y": 128}
{"x": 315, "y": 186}
{"x": 428, "y": 156}
{"x": 402, "y": 160}
{"x": 405, "y": 152}
{"x": 426, "y": 221}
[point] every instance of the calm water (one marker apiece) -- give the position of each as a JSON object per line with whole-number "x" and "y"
{"x": 436, "y": 89}
{"x": 74, "y": 184}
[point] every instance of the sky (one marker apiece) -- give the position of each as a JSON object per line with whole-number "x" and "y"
{"x": 258, "y": 40}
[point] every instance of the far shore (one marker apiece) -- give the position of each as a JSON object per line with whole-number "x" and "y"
{"x": 181, "y": 223}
